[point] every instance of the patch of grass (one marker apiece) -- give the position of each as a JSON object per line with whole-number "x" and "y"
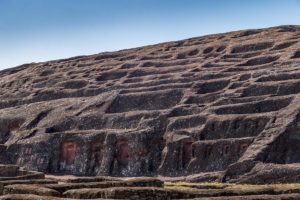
{"x": 274, "y": 186}
{"x": 224, "y": 189}
{"x": 213, "y": 185}
{"x": 294, "y": 185}
{"x": 178, "y": 187}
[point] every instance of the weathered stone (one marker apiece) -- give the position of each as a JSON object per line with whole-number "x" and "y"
{"x": 9, "y": 170}
{"x": 27, "y": 197}
{"x": 30, "y": 181}
{"x": 30, "y": 189}
{"x": 128, "y": 193}
{"x": 214, "y": 107}
{"x": 124, "y": 183}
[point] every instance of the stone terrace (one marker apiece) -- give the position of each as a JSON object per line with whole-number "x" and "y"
{"x": 221, "y": 107}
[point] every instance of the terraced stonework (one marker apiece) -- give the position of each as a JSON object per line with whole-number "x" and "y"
{"x": 41, "y": 187}
{"x": 221, "y": 107}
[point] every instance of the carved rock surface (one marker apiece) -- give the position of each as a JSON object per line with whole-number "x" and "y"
{"x": 219, "y": 103}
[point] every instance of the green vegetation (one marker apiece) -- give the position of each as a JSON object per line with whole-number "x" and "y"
{"x": 215, "y": 185}
{"x": 187, "y": 185}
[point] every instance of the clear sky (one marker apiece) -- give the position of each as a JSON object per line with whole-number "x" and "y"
{"x": 40, "y": 30}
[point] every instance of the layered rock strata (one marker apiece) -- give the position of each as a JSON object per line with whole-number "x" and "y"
{"x": 225, "y": 103}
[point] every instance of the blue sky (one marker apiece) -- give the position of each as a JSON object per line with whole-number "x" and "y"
{"x": 40, "y": 30}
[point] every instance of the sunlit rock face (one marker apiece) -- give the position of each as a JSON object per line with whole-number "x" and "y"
{"x": 225, "y": 103}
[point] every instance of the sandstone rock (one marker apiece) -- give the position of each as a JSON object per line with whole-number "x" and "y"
{"x": 62, "y": 187}
{"x": 30, "y": 189}
{"x": 27, "y": 197}
{"x": 10, "y": 173}
{"x": 214, "y": 104}
{"x": 30, "y": 181}
{"x": 128, "y": 193}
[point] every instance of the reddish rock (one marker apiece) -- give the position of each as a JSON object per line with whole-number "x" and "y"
{"x": 217, "y": 104}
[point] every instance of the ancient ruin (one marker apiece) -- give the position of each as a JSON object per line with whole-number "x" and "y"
{"x": 221, "y": 107}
